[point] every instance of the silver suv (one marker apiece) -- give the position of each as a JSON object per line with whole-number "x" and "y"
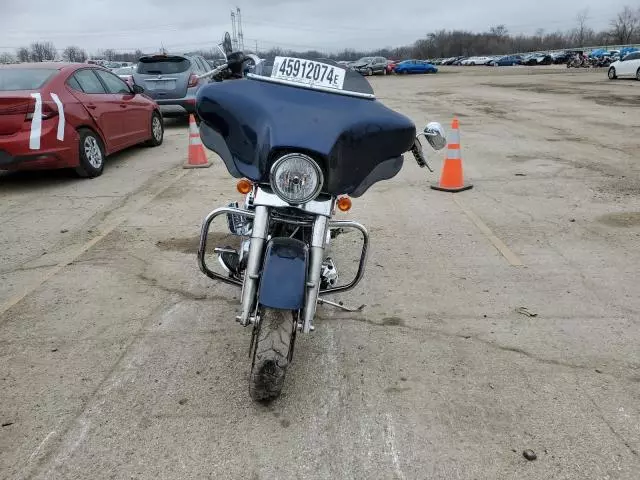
{"x": 371, "y": 65}
{"x": 172, "y": 81}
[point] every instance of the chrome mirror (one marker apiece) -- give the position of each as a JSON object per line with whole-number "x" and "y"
{"x": 434, "y": 133}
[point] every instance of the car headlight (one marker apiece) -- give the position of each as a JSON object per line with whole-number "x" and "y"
{"x": 296, "y": 178}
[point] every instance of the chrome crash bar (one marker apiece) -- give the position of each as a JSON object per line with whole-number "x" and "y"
{"x": 320, "y": 227}
{"x": 340, "y": 224}
{"x": 204, "y": 232}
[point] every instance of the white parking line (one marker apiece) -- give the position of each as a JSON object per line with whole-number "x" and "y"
{"x": 105, "y": 229}
{"x": 39, "y": 448}
{"x": 390, "y": 440}
{"x": 511, "y": 257}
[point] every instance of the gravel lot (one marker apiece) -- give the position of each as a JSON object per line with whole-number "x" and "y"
{"x": 118, "y": 359}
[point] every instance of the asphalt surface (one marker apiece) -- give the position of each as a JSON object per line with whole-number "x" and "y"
{"x": 501, "y": 319}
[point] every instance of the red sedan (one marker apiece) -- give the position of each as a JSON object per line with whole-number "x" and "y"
{"x": 63, "y": 115}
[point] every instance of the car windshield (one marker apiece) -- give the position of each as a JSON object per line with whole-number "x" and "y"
{"x": 163, "y": 65}
{"x": 12, "y": 79}
{"x": 365, "y": 60}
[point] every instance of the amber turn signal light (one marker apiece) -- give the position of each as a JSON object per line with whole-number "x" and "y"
{"x": 344, "y": 204}
{"x": 244, "y": 186}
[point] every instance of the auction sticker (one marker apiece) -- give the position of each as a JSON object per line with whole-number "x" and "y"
{"x": 308, "y": 72}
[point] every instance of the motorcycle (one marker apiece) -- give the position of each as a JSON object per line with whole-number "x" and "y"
{"x": 303, "y": 137}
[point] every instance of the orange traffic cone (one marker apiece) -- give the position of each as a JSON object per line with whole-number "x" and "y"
{"x": 451, "y": 179}
{"x": 197, "y": 155}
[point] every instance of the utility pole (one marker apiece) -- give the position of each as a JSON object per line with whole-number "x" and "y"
{"x": 256, "y": 52}
{"x": 240, "y": 34}
{"x": 234, "y": 37}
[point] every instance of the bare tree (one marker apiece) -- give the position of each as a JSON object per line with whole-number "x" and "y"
{"x": 625, "y": 25}
{"x": 7, "y": 58}
{"x": 499, "y": 31}
{"x": 109, "y": 54}
{"x": 582, "y": 34}
{"x": 74, "y": 54}
{"x": 43, "y": 51}
{"x": 23, "y": 54}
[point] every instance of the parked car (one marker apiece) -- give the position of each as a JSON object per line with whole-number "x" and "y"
{"x": 506, "y": 61}
{"x": 391, "y": 66}
{"x": 371, "y": 65}
{"x": 625, "y": 51}
{"x": 538, "y": 59}
{"x": 126, "y": 74}
{"x": 563, "y": 57}
{"x": 452, "y": 60}
{"x": 172, "y": 81}
{"x": 415, "y": 66}
{"x": 628, "y": 66}
{"x": 69, "y": 115}
{"x": 475, "y": 61}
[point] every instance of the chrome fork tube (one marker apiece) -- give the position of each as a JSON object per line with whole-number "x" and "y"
{"x": 316, "y": 257}
{"x": 254, "y": 262}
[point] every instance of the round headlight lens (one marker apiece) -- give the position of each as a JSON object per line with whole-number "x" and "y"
{"x": 296, "y": 178}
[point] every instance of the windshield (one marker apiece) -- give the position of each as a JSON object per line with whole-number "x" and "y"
{"x": 365, "y": 60}
{"x": 12, "y": 79}
{"x": 323, "y": 74}
{"x": 163, "y": 65}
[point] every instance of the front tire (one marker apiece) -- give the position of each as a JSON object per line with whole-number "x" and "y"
{"x": 91, "y": 154}
{"x": 638, "y": 75}
{"x": 612, "y": 74}
{"x": 273, "y": 348}
{"x": 369, "y": 72}
{"x": 157, "y": 131}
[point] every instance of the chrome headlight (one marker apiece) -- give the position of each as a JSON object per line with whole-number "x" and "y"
{"x": 296, "y": 178}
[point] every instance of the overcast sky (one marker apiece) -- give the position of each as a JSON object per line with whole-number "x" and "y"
{"x": 180, "y": 25}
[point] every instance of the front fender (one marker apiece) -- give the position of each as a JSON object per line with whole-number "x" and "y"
{"x": 284, "y": 274}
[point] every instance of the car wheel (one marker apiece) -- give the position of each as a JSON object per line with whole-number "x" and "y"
{"x": 369, "y": 72}
{"x": 612, "y": 73}
{"x": 384, "y": 72}
{"x": 91, "y": 154}
{"x": 638, "y": 75}
{"x": 157, "y": 131}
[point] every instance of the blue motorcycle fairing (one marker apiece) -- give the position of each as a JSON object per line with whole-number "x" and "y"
{"x": 247, "y": 122}
{"x": 284, "y": 274}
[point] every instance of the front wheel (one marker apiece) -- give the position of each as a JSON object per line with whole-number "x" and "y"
{"x": 369, "y": 72}
{"x": 638, "y": 75}
{"x": 273, "y": 346}
{"x": 612, "y": 74}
